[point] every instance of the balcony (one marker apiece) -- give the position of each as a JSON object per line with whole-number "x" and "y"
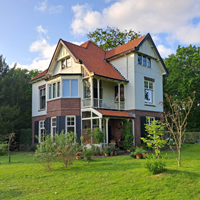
{"x": 103, "y": 103}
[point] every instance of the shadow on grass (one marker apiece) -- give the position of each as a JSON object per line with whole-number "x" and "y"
{"x": 186, "y": 173}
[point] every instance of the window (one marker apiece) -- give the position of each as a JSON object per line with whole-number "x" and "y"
{"x": 41, "y": 131}
{"x": 65, "y": 63}
{"x": 139, "y": 59}
{"x": 144, "y": 60}
{"x": 53, "y": 128}
{"x": 70, "y": 88}
{"x": 148, "y": 62}
{"x": 70, "y": 124}
{"x": 149, "y": 120}
{"x": 148, "y": 92}
{"x": 54, "y": 90}
{"x": 42, "y": 98}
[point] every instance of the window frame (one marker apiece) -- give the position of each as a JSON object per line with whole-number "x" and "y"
{"x": 40, "y": 98}
{"x": 70, "y": 88}
{"x": 66, "y": 125}
{"x": 150, "y": 119}
{"x": 54, "y": 94}
{"x": 65, "y": 63}
{"x": 140, "y": 63}
{"x": 147, "y": 60}
{"x": 52, "y": 127}
{"x": 150, "y": 89}
{"x": 40, "y": 129}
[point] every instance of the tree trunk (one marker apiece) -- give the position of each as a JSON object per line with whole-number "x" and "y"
{"x": 179, "y": 156}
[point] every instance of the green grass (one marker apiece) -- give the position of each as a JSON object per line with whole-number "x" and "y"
{"x": 105, "y": 178}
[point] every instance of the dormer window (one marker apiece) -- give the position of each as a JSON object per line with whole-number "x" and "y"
{"x": 65, "y": 63}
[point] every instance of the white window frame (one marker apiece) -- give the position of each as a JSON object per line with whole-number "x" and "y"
{"x": 44, "y": 88}
{"x": 56, "y": 90}
{"x": 41, "y": 122}
{"x": 70, "y": 88}
{"x": 142, "y": 63}
{"x": 52, "y": 127}
{"x": 149, "y": 119}
{"x": 65, "y": 63}
{"x": 151, "y": 89}
{"x": 66, "y": 126}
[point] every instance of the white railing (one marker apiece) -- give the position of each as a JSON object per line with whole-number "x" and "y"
{"x": 104, "y": 103}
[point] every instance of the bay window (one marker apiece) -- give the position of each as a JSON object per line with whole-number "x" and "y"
{"x": 70, "y": 88}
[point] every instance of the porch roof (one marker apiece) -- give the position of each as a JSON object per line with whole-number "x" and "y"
{"x": 113, "y": 113}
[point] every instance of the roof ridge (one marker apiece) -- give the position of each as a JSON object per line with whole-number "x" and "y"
{"x": 97, "y": 45}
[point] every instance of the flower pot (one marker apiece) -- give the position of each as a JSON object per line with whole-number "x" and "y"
{"x": 106, "y": 154}
{"x": 128, "y": 151}
{"x": 138, "y": 156}
{"x": 144, "y": 155}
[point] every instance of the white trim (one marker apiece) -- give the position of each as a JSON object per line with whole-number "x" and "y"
{"x": 66, "y": 126}
{"x": 53, "y": 126}
{"x": 43, "y": 128}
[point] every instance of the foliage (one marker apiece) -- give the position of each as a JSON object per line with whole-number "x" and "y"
{"x": 98, "y": 135}
{"x": 90, "y": 133}
{"x": 154, "y": 138}
{"x": 46, "y": 152}
{"x": 106, "y": 150}
{"x": 33, "y": 147}
{"x": 132, "y": 154}
{"x": 127, "y": 135}
{"x": 111, "y": 37}
{"x": 67, "y": 146}
{"x": 154, "y": 165}
{"x": 176, "y": 120}
{"x": 139, "y": 150}
{"x": 96, "y": 150}
{"x": 11, "y": 141}
{"x": 88, "y": 154}
{"x": 3, "y": 148}
{"x": 25, "y": 136}
{"x": 3, "y": 67}
{"x": 183, "y": 79}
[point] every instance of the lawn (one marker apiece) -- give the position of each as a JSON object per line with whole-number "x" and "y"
{"x": 119, "y": 177}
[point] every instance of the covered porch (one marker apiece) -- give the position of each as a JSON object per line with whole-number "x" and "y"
{"x": 109, "y": 122}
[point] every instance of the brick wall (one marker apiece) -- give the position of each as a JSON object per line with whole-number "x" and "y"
{"x": 138, "y": 114}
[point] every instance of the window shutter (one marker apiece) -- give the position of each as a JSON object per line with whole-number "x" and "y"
{"x": 157, "y": 118}
{"x": 36, "y": 126}
{"x": 58, "y": 125}
{"x": 62, "y": 123}
{"x": 78, "y": 127}
{"x": 47, "y": 125}
{"x": 143, "y": 122}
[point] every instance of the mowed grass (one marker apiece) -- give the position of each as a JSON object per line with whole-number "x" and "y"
{"x": 119, "y": 177}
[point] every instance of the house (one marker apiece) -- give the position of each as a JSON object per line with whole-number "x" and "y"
{"x": 87, "y": 87}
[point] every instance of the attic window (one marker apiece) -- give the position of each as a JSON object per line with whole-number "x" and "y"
{"x": 65, "y": 63}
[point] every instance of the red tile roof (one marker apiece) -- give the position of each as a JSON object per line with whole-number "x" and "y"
{"x": 123, "y": 48}
{"x": 93, "y": 58}
{"x": 39, "y": 75}
{"x": 113, "y": 113}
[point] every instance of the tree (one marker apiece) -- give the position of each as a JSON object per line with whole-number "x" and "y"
{"x": 154, "y": 138}
{"x": 176, "y": 120}
{"x": 127, "y": 135}
{"x": 3, "y": 66}
{"x": 183, "y": 79}
{"x": 111, "y": 37}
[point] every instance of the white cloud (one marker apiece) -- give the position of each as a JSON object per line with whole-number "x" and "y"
{"x": 145, "y": 16}
{"x": 43, "y": 7}
{"x": 40, "y": 29}
{"x": 77, "y": 43}
{"x": 164, "y": 52}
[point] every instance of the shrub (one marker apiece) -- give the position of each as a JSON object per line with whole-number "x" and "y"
{"x": 25, "y": 136}
{"x": 96, "y": 150}
{"x": 67, "y": 147}
{"x": 98, "y": 135}
{"x": 3, "y": 149}
{"x": 33, "y": 147}
{"x": 132, "y": 154}
{"x": 155, "y": 166}
{"x": 46, "y": 152}
{"x": 88, "y": 154}
{"x": 106, "y": 150}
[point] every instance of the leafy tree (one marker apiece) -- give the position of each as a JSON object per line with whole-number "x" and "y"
{"x": 154, "y": 138}
{"x": 111, "y": 37}
{"x": 127, "y": 135}
{"x": 183, "y": 79}
{"x": 3, "y": 66}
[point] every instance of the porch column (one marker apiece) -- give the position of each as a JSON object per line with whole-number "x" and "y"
{"x": 98, "y": 97}
{"x": 100, "y": 124}
{"x": 107, "y": 119}
{"x": 124, "y": 96}
{"x": 91, "y": 91}
{"x": 119, "y": 94}
{"x": 133, "y": 129}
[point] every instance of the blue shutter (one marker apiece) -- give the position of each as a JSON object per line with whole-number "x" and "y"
{"x": 143, "y": 122}
{"x": 78, "y": 127}
{"x": 157, "y": 118}
{"x": 47, "y": 125}
{"x": 62, "y": 123}
{"x": 36, "y": 127}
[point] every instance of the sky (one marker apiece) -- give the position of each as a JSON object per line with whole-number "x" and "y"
{"x": 31, "y": 29}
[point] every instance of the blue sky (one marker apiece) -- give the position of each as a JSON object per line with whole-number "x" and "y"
{"x": 30, "y": 29}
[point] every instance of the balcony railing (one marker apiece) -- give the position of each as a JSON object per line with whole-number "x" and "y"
{"x": 104, "y": 103}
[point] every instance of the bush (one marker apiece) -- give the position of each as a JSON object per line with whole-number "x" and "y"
{"x": 33, "y": 147}
{"x": 88, "y": 154}
{"x": 154, "y": 165}
{"x": 96, "y": 150}
{"x": 3, "y": 149}
{"x": 127, "y": 135}
{"x": 98, "y": 135}
{"x": 25, "y": 136}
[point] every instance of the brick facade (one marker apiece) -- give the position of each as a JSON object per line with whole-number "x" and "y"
{"x": 138, "y": 114}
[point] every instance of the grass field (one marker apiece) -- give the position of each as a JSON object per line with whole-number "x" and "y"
{"x": 119, "y": 177}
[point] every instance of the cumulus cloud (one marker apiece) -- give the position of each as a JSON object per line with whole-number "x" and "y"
{"x": 40, "y": 29}
{"x": 164, "y": 52}
{"x": 43, "y": 7}
{"x": 144, "y": 16}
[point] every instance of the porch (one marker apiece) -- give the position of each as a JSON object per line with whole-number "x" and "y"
{"x": 109, "y": 122}
{"x": 103, "y": 94}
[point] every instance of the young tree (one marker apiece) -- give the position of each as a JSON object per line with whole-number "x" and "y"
{"x": 111, "y": 37}
{"x": 176, "y": 120}
{"x": 3, "y": 66}
{"x": 154, "y": 138}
